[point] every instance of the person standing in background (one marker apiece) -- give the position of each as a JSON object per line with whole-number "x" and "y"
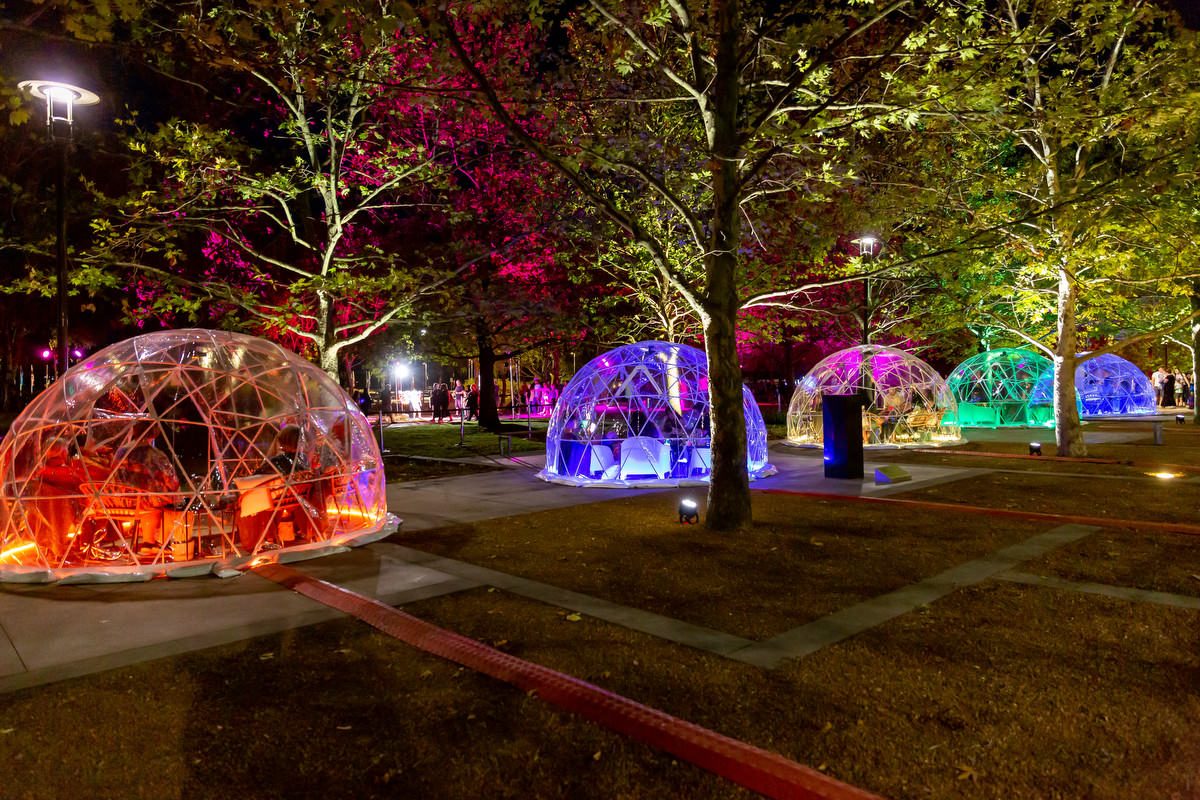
{"x": 460, "y": 399}
{"x": 1183, "y": 388}
{"x": 473, "y": 403}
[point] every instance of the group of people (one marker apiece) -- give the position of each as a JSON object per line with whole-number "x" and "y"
{"x": 540, "y": 398}
{"x": 464, "y": 399}
{"x": 450, "y": 403}
{"x": 1172, "y": 389}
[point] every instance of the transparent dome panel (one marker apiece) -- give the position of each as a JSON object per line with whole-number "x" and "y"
{"x": 639, "y": 415}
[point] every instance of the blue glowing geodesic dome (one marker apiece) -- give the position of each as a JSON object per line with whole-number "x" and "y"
{"x": 1106, "y": 385}
{"x": 639, "y": 416}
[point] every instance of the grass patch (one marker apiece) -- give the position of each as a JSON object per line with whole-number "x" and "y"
{"x": 441, "y": 441}
{"x": 994, "y": 691}
{"x": 334, "y": 710}
{"x": 803, "y": 558}
{"x": 400, "y": 469}
{"x": 1162, "y": 562}
{"x": 1142, "y": 499}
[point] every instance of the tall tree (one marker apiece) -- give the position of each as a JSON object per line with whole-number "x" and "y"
{"x": 714, "y": 111}
{"x": 1073, "y": 119}
{"x": 298, "y": 196}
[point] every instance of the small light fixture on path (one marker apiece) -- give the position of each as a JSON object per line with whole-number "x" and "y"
{"x": 1180, "y": 419}
{"x": 689, "y": 512}
{"x": 1035, "y": 448}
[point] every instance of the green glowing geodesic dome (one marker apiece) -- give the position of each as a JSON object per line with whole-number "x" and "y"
{"x": 996, "y": 389}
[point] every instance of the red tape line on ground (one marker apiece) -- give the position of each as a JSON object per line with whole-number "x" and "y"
{"x": 762, "y": 771}
{"x": 1100, "y": 522}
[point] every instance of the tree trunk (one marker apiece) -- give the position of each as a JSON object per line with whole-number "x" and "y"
{"x": 729, "y": 487}
{"x": 1068, "y": 428}
{"x": 489, "y": 416}
{"x": 327, "y": 351}
{"x": 1194, "y": 326}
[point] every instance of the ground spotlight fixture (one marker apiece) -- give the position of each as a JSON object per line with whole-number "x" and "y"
{"x": 689, "y": 512}
{"x": 1179, "y": 419}
{"x": 1035, "y": 448}
{"x": 1166, "y": 476}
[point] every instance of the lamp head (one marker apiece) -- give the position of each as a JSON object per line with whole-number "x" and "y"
{"x": 61, "y": 99}
{"x": 689, "y": 511}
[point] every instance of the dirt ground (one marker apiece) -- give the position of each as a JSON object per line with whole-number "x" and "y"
{"x": 997, "y": 690}
{"x": 331, "y": 711}
{"x": 1162, "y": 562}
{"x": 1140, "y": 498}
{"x": 1180, "y": 448}
{"x": 803, "y": 559}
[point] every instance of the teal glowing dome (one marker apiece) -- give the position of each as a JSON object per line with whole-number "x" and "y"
{"x": 639, "y": 416}
{"x": 996, "y": 389}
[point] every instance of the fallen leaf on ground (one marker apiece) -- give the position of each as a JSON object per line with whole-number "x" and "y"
{"x": 573, "y": 618}
{"x": 966, "y": 773}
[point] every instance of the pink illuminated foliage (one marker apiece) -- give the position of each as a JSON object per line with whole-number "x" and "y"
{"x": 354, "y": 185}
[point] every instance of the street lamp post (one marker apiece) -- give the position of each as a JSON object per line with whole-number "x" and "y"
{"x": 61, "y": 99}
{"x": 866, "y": 247}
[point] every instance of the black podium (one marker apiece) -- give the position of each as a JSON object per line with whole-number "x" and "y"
{"x": 842, "y": 423}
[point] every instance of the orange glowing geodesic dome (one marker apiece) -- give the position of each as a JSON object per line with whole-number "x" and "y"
{"x": 185, "y": 452}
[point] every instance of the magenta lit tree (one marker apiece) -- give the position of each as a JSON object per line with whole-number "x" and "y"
{"x": 290, "y": 216}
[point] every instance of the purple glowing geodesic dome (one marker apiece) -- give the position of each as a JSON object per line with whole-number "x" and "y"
{"x": 639, "y": 416}
{"x": 1106, "y": 385}
{"x": 906, "y": 402}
